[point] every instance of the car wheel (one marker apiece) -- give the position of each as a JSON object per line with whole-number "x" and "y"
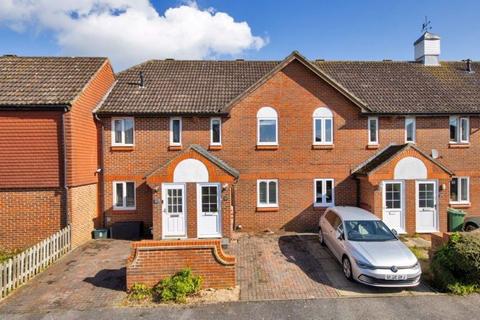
{"x": 347, "y": 268}
{"x": 320, "y": 237}
{"x": 470, "y": 227}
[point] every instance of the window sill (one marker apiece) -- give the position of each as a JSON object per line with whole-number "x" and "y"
{"x": 267, "y": 147}
{"x": 372, "y": 146}
{"x": 458, "y": 145}
{"x": 460, "y": 204}
{"x": 322, "y": 146}
{"x": 175, "y": 148}
{"x": 321, "y": 207}
{"x": 122, "y": 148}
{"x": 267, "y": 209}
{"x": 124, "y": 210}
{"x": 215, "y": 147}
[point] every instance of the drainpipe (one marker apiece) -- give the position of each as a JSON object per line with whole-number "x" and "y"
{"x": 100, "y": 171}
{"x": 358, "y": 191}
{"x": 65, "y": 169}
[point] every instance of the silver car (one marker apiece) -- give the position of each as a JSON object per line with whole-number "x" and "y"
{"x": 368, "y": 250}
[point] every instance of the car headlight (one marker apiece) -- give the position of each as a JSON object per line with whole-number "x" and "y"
{"x": 364, "y": 265}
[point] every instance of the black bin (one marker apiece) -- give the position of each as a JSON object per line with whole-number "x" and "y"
{"x": 128, "y": 230}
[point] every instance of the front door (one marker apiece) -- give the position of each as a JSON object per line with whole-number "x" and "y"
{"x": 393, "y": 205}
{"x": 208, "y": 210}
{"x": 174, "y": 210}
{"x": 426, "y": 206}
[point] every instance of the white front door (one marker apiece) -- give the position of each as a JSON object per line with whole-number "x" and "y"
{"x": 174, "y": 210}
{"x": 426, "y": 192}
{"x": 209, "y": 218}
{"x": 393, "y": 205}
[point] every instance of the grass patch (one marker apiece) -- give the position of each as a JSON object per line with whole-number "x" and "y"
{"x": 424, "y": 260}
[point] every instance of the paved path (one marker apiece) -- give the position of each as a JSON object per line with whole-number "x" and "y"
{"x": 90, "y": 277}
{"x": 292, "y": 266}
{"x": 399, "y": 308}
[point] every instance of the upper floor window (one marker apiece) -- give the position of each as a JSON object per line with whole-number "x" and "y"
{"x": 372, "y": 130}
{"x": 460, "y": 190}
{"x": 410, "y": 128}
{"x": 323, "y": 126}
{"x": 267, "y": 126}
{"x": 175, "y": 131}
{"x": 124, "y": 195}
{"x": 324, "y": 192}
{"x": 267, "y": 191}
{"x": 215, "y": 131}
{"x": 122, "y": 134}
{"x": 459, "y": 129}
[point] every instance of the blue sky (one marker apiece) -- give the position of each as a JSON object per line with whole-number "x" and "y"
{"x": 334, "y": 30}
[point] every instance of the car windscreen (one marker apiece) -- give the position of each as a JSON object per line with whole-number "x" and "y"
{"x": 368, "y": 230}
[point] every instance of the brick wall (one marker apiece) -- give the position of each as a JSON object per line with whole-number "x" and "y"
{"x": 29, "y": 215}
{"x": 83, "y": 213}
{"x": 152, "y": 261}
{"x": 295, "y": 93}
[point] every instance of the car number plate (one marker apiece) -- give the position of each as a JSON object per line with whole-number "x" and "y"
{"x": 395, "y": 277}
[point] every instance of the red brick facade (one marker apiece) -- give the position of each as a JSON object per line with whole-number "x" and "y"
{"x": 152, "y": 261}
{"x": 295, "y": 93}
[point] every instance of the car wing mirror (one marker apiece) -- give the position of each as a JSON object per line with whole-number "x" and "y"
{"x": 395, "y": 233}
{"x": 340, "y": 235}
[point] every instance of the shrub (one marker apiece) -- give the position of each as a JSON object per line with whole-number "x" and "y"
{"x": 178, "y": 287}
{"x": 456, "y": 265}
{"x": 140, "y": 292}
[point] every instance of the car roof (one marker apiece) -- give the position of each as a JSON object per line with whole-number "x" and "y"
{"x": 353, "y": 213}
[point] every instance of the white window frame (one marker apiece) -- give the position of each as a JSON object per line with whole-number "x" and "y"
{"x": 122, "y": 144}
{"x": 272, "y": 115}
{"x": 324, "y": 187}
{"x": 124, "y": 200}
{"x": 370, "y": 141}
{"x": 459, "y": 191}
{"x": 414, "y": 129}
{"x": 211, "y": 131}
{"x": 267, "y": 205}
{"x": 171, "y": 131}
{"x": 459, "y": 121}
{"x": 323, "y": 114}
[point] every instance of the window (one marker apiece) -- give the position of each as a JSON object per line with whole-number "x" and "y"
{"x": 124, "y": 195}
{"x": 267, "y": 191}
{"x": 210, "y": 199}
{"x": 393, "y": 195}
{"x": 175, "y": 131}
{"x": 324, "y": 192}
{"x": 215, "y": 131}
{"x": 460, "y": 190}
{"x": 372, "y": 130}
{"x": 410, "y": 128}
{"x": 122, "y": 131}
{"x": 459, "y": 129}
{"x": 267, "y": 126}
{"x": 323, "y": 126}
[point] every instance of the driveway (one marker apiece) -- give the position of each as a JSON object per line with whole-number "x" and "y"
{"x": 90, "y": 277}
{"x": 296, "y": 266}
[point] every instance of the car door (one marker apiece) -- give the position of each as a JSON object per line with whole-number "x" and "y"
{"x": 327, "y": 227}
{"x": 337, "y": 245}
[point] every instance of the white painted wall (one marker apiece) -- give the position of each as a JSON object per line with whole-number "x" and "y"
{"x": 190, "y": 170}
{"x": 410, "y": 168}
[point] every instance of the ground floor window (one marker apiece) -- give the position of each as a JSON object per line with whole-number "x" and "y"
{"x": 267, "y": 193}
{"x": 124, "y": 195}
{"x": 324, "y": 192}
{"x": 459, "y": 190}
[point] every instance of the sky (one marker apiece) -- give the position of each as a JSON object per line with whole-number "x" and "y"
{"x": 132, "y": 31}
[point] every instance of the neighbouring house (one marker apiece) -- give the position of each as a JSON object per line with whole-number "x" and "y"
{"x": 195, "y": 149}
{"x": 49, "y": 146}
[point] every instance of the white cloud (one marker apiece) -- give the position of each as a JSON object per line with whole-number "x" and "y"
{"x": 131, "y": 31}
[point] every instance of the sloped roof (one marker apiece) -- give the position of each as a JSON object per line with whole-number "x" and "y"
{"x": 44, "y": 81}
{"x": 387, "y": 154}
{"x": 383, "y": 87}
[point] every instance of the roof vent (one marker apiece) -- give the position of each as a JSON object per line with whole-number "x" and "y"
{"x": 9, "y": 55}
{"x": 239, "y": 59}
{"x": 387, "y": 60}
{"x": 169, "y": 59}
{"x": 468, "y": 65}
{"x": 319, "y": 60}
{"x": 142, "y": 79}
{"x": 427, "y": 49}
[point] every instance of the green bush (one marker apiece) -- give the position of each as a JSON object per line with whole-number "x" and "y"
{"x": 140, "y": 292}
{"x": 456, "y": 265}
{"x": 178, "y": 287}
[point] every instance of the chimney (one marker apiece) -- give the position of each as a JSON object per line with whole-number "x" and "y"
{"x": 427, "y": 49}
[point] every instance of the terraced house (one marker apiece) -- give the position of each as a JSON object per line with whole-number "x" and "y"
{"x": 196, "y": 149}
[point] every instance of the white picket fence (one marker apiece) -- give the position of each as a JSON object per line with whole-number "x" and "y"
{"x": 23, "y": 266}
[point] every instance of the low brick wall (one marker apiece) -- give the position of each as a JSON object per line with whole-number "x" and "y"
{"x": 438, "y": 239}
{"x": 153, "y": 260}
